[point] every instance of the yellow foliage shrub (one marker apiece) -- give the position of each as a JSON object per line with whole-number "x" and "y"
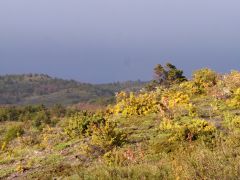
{"x": 107, "y": 136}
{"x": 178, "y": 103}
{"x": 232, "y": 80}
{"x": 235, "y": 100}
{"x": 166, "y": 102}
{"x": 129, "y": 104}
{"x": 190, "y": 130}
{"x": 204, "y": 79}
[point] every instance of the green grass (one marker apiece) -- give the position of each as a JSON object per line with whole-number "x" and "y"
{"x": 4, "y": 172}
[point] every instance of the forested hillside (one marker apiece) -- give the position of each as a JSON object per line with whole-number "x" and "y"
{"x": 43, "y": 89}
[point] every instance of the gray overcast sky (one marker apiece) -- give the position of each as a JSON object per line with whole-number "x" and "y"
{"x": 109, "y": 40}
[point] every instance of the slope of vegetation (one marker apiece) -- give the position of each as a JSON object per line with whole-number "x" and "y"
{"x": 173, "y": 129}
{"x": 43, "y": 89}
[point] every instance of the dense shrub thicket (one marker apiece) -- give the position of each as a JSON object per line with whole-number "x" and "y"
{"x": 14, "y": 113}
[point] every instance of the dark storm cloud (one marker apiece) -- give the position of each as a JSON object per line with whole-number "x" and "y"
{"x": 102, "y": 41}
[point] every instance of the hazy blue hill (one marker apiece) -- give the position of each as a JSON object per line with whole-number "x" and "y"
{"x": 43, "y": 89}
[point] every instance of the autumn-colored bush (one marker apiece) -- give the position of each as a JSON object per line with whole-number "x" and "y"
{"x": 232, "y": 80}
{"x": 231, "y": 121}
{"x": 188, "y": 129}
{"x": 103, "y": 133}
{"x": 235, "y": 100}
{"x": 204, "y": 79}
{"x": 41, "y": 118}
{"x": 13, "y": 132}
{"x": 79, "y": 123}
{"x": 107, "y": 136}
{"x": 129, "y": 104}
{"x": 173, "y": 133}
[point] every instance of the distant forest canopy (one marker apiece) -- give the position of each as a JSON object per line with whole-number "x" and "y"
{"x": 43, "y": 89}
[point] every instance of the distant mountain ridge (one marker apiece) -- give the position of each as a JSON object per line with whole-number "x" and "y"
{"x": 44, "y": 89}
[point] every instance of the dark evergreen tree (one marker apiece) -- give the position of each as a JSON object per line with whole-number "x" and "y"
{"x": 166, "y": 76}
